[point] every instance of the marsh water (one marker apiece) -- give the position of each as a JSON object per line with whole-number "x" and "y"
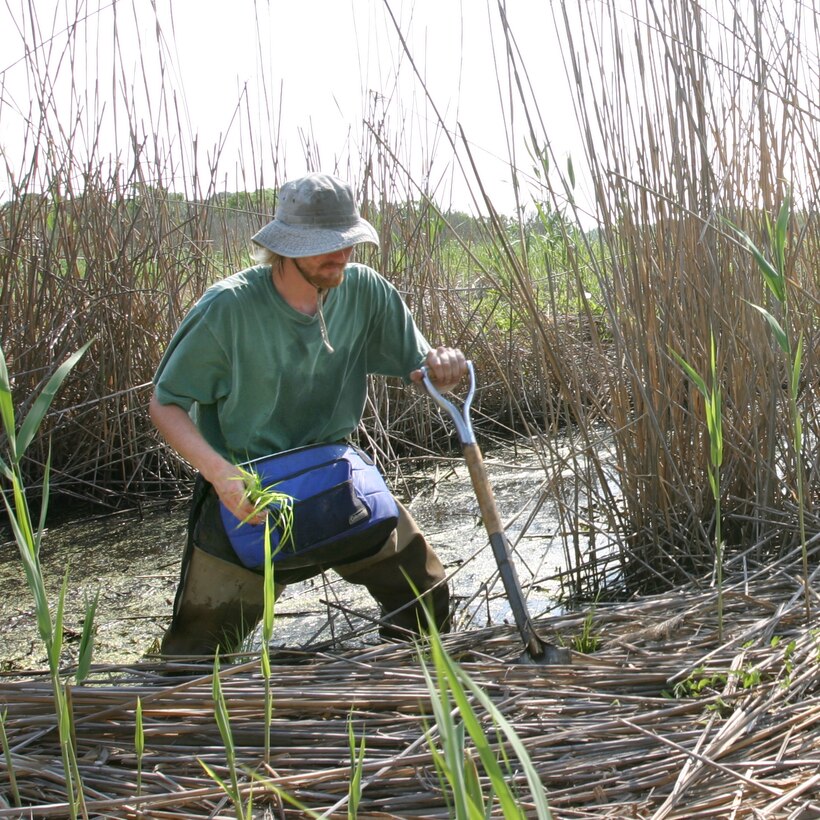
{"x": 133, "y": 563}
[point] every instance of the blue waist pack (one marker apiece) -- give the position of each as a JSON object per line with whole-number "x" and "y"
{"x": 342, "y": 509}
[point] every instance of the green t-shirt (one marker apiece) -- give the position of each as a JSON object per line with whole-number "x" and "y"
{"x": 256, "y": 376}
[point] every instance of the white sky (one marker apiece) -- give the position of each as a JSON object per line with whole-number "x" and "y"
{"x": 277, "y": 85}
{"x": 330, "y": 58}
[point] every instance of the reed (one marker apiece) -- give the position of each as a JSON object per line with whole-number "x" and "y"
{"x": 267, "y": 629}
{"x": 10, "y": 771}
{"x": 666, "y": 168}
{"x": 139, "y": 743}
{"x": 28, "y": 539}
{"x": 713, "y": 401}
{"x": 569, "y": 307}
{"x": 603, "y": 738}
{"x": 452, "y": 692}
{"x": 775, "y": 275}
{"x": 243, "y": 811}
{"x": 357, "y": 752}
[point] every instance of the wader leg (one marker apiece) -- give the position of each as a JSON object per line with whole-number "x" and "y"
{"x": 218, "y": 602}
{"x": 219, "y": 605}
{"x": 406, "y": 551}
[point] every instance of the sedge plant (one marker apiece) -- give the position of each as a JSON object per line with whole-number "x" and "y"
{"x": 774, "y": 276}
{"x": 452, "y": 694}
{"x": 28, "y": 537}
{"x": 713, "y": 403}
{"x": 223, "y": 722}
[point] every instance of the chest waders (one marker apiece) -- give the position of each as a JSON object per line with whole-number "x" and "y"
{"x": 219, "y": 602}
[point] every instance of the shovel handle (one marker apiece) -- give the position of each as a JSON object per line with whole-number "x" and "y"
{"x": 464, "y": 427}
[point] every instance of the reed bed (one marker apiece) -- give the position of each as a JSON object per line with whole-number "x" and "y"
{"x": 661, "y": 721}
{"x": 571, "y": 307}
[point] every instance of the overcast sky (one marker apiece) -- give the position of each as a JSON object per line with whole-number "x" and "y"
{"x": 307, "y": 71}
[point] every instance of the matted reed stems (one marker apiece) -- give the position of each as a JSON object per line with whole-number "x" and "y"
{"x": 661, "y": 722}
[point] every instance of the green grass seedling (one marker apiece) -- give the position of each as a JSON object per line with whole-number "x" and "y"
{"x": 774, "y": 275}
{"x": 268, "y": 499}
{"x": 453, "y": 692}
{"x": 354, "y": 793}
{"x": 139, "y": 743}
{"x": 587, "y": 642}
{"x": 28, "y": 540}
{"x": 281, "y": 505}
{"x": 87, "y": 640}
{"x": 223, "y": 722}
{"x": 4, "y": 741}
{"x": 714, "y": 423}
{"x": 267, "y": 635}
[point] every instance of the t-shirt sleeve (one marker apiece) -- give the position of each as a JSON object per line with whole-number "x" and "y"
{"x": 397, "y": 346}
{"x": 195, "y": 368}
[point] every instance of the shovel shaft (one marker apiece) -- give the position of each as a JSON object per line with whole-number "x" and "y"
{"x": 537, "y": 649}
{"x": 501, "y": 549}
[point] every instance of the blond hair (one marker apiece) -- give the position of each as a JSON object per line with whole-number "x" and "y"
{"x": 265, "y": 256}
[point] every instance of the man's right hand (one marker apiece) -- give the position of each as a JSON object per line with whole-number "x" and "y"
{"x": 230, "y": 487}
{"x": 182, "y": 434}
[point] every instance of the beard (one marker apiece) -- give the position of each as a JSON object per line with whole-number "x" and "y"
{"x": 322, "y": 275}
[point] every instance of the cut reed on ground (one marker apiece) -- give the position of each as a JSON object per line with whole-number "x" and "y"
{"x": 661, "y": 721}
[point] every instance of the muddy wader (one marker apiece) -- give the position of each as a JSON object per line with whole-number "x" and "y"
{"x": 219, "y": 602}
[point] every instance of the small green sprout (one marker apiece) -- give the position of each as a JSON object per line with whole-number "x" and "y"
{"x": 587, "y": 642}
{"x": 267, "y": 499}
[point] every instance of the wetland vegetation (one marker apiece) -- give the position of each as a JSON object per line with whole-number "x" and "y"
{"x": 618, "y": 340}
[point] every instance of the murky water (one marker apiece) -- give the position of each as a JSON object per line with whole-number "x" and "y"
{"x": 133, "y": 563}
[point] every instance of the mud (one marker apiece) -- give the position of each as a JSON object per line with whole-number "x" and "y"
{"x": 133, "y": 563}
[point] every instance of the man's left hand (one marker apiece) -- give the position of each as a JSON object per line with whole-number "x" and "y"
{"x": 445, "y": 367}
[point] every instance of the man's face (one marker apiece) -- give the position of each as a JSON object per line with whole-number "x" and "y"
{"x": 325, "y": 270}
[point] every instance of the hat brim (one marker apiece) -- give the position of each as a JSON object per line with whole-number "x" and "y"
{"x": 295, "y": 241}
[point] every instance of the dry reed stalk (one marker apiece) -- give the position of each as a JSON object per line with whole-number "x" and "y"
{"x": 687, "y": 115}
{"x": 604, "y": 739}
{"x": 666, "y": 167}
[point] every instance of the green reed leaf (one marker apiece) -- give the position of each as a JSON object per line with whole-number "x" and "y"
{"x": 781, "y": 230}
{"x": 87, "y": 640}
{"x": 7, "y": 410}
{"x": 57, "y": 635}
{"x": 691, "y": 373}
{"x": 796, "y": 367}
{"x": 10, "y": 772}
{"x": 777, "y": 331}
{"x": 139, "y": 742}
{"x": 269, "y": 589}
{"x": 34, "y": 419}
{"x": 356, "y": 763}
{"x": 773, "y": 278}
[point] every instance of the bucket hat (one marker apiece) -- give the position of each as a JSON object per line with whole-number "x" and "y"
{"x": 315, "y": 214}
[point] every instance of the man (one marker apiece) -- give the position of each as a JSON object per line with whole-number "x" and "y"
{"x": 276, "y": 357}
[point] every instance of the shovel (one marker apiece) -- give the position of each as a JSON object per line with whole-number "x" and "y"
{"x": 537, "y": 649}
